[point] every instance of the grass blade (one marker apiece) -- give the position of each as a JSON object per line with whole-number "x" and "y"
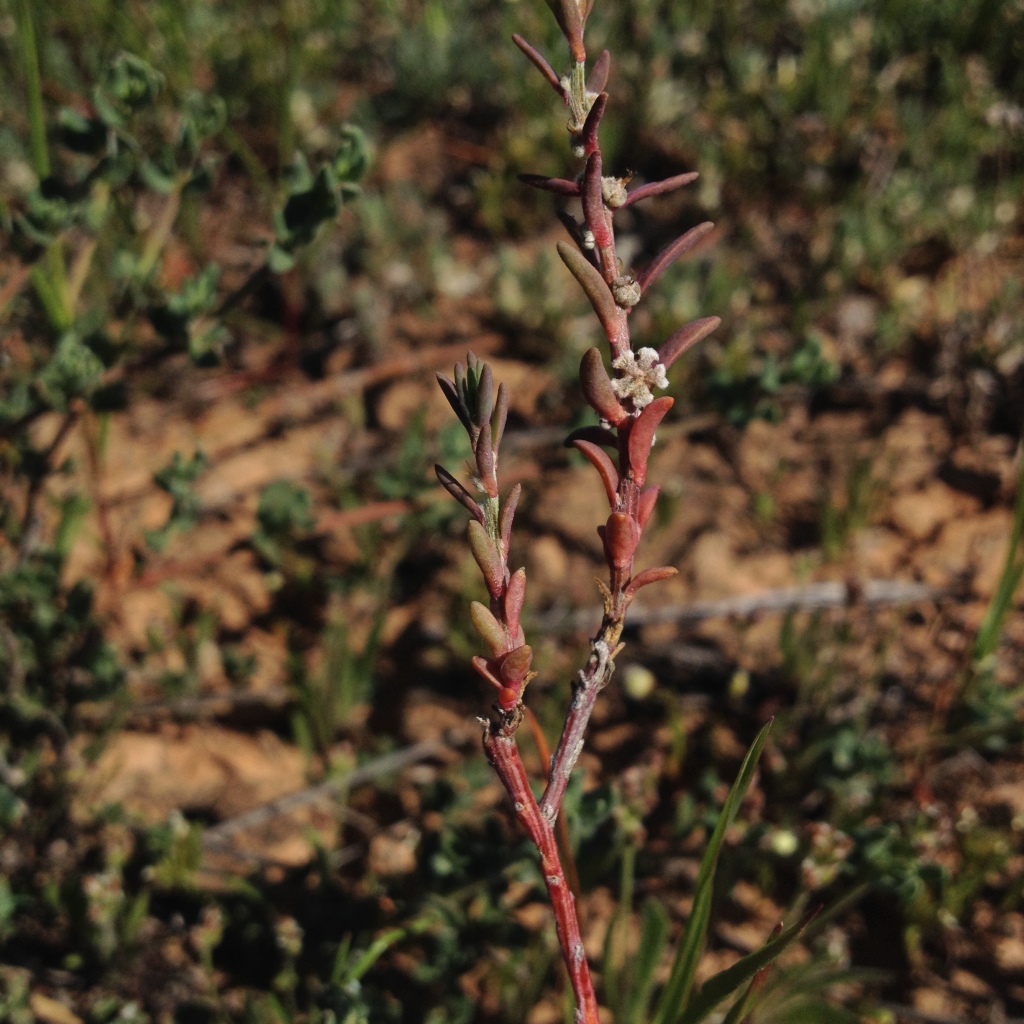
{"x": 1013, "y": 571}
{"x": 654, "y": 925}
{"x": 725, "y": 982}
{"x": 680, "y": 983}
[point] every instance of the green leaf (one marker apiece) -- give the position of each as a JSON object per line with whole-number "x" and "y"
{"x": 352, "y": 157}
{"x": 285, "y": 509}
{"x": 159, "y": 177}
{"x": 73, "y": 371}
{"x": 198, "y": 293}
{"x": 677, "y": 991}
{"x": 129, "y": 85}
{"x": 715, "y": 989}
{"x": 204, "y": 117}
{"x": 654, "y": 926}
{"x": 279, "y": 260}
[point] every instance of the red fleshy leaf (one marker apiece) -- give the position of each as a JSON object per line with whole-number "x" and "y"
{"x": 657, "y": 188}
{"x": 642, "y": 579}
{"x": 685, "y": 338}
{"x": 641, "y": 436}
{"x": 515, "y": 594}
{"x": 593, "y": 121}
{"x": 594, "y": 285}
{"x": 451, "y": 392}
{"x": 500, "y": 416}
{"x": 485, "y": 463}
{"x": 508, "y": 513}
{"x": 598, "y": 458}
{"x": 515, "y": 666}
{"x": 560, "y": 186}
{"x": 489, "y": 629}
{"x": 621, "y": 536}
{"x": 536, "y": 58}
{"x": 670, "y": 254}
{"x": 484, "y": 669}
{"x": 645, "y": 506}
{"x": 487, "y": 557}
{"x": 598, "y": 77}
{"x": 459, "y": 493}
{"x": 597, "y": 389}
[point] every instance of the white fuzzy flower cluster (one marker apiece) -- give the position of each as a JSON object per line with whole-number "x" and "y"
{"x": 641, "y": 373}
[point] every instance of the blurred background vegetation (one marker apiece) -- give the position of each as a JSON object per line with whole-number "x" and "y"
{"x": 248, "y": 231}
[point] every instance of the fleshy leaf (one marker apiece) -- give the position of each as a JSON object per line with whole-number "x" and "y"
{"x": 500, "y": 416}
{"x": 670, "y": 254}
{"x": 685, "y": 338}
{"x": 459, "y": 493}
{"x": 516, "y": 665}
{"x": 538, "y": 61}
{"x": 591, "y": 124}
{"x": 560, "y": 186}
{"x": 598, "y": 77}
{"x": 645, "y": 506}
{"x": 485, "y": 463}
{"x": 599, "y": 459}
{"x": 484, "y": 396}
{"x": 489, "y": 629}
{"x": 515, "y": 594}
{"x": 597, "y": 388}
{"x": 593, "y": 284}
{"x": 621, "y": 536}
{"x": 641, "y": 436}
{"x": 487, "y": 557}
{"x": 657, "y": 188}
{"x": 508, "y": 514}
{"x": 451, "y": 392}
{"x": 642, "y": 579}
{"x": 484, "y": 669}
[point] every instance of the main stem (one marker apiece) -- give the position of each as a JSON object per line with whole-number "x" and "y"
{"x": 503, "y": 753}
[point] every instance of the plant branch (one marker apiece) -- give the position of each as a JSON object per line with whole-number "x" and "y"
{"x": 503, "y": 754}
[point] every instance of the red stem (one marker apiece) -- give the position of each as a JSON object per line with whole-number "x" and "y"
{"x": 503, "y": 753}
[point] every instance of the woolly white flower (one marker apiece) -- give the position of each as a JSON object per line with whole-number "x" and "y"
{"x": 641, "y": 372}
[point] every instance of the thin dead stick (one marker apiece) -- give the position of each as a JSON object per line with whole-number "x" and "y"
{"x": 212, "y": 705}
{"x": 218, "y": 835}
{"x": 872, "y": 593}
{"x": 300, "y": 403}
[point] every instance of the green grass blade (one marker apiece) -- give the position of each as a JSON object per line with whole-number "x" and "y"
{"x": 1013, "y": 571}
{"x": 739, "y": 1010}
{"x": 613, "y": 967}
{"x": 680, "y": 983}
{"x": 33, "y": 81}
{"x": 654, "y": 926}
{"x": 725, "y": 982}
